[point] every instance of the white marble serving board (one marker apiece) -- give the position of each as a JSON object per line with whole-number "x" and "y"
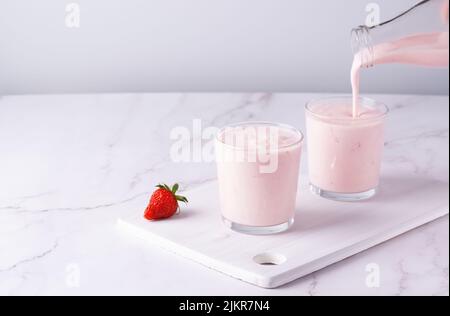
{"x": 324, "y": 232}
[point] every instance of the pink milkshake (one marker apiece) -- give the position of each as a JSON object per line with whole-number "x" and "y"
{"x": 258, "y": 167}
{"x": 428, "y": 50}
{"x": 346, "y": 135}
{"x": 344, "y": 152}
{"x": 419, "y": 36}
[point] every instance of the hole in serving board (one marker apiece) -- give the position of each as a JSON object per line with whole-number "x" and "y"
{"x": 269, "y": 259}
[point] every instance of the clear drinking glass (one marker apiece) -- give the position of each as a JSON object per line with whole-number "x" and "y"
{"x": 258, "y": 167}
{"x": 344, "y": 153}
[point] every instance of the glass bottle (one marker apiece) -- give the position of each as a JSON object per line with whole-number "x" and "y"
{"x": 417, "y": 36}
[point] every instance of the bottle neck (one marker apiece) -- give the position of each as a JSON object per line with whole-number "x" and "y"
{"x": 362, "y": 46}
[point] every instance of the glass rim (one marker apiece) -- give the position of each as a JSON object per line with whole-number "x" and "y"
{"x": 296, "y": 131}
{"x": 385, "y": 109}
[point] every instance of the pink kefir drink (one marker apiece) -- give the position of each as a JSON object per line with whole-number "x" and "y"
{"x": 258, "y": 167}
{"x": 430, "y": 50}
{"x": 345, "y": 135}
{"x": 417, "y": 37}
{"x": 344, "y": 153}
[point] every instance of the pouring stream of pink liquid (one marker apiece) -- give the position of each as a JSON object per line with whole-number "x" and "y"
{"x": 428, "y": 49}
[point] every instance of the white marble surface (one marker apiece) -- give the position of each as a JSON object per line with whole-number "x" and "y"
{"x": 70, "y": 165}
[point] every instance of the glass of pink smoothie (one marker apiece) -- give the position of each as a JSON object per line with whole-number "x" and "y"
{"x": 258, "y": 168}
{"x": 344, "y": 152}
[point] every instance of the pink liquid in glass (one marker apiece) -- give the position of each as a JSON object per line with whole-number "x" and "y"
{"x": 428, "y": 50}
{"x": 258, "y": 176}
{"x": 345, "y": 153}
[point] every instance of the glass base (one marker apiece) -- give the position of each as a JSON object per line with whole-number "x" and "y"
{"x": 343, "y": 197}
{"x": 258, "y": 230}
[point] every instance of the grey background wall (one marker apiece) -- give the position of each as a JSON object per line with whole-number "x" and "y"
{"x": 194, "y": 45}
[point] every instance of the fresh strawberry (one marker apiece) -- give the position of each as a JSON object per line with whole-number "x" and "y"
{"x": 164, "y": 202}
